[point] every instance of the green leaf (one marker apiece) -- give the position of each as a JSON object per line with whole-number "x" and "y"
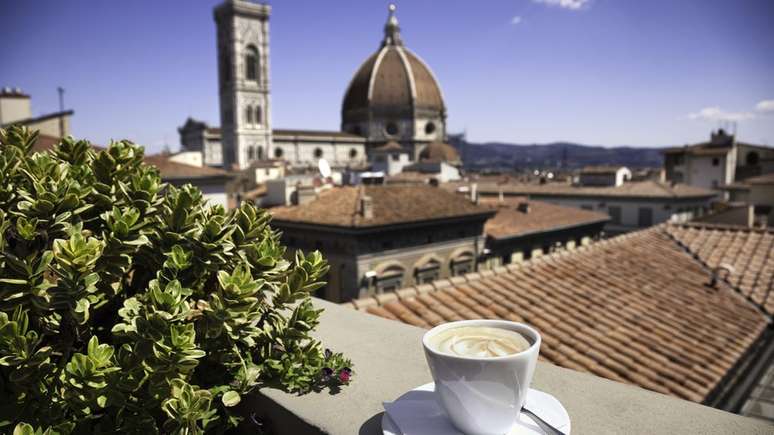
{"x": 231, "y": 398}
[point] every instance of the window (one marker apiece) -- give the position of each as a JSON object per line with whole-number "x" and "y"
{"x": 462, "y": 264}
{"x": 391, "y": 128}
{"x": 752, "y": 158}
{"x": 278, "y": 153}
{"x": 251, "y": 153}
{"x": 645, "y": 217}
{"x": 258, "y": 115}
{"x": 318, "y": 153}
{"x": 715, "y": 161}
{"x": 429, "y": 128}
{"x": 390, "y": 280}
{"x": 427, "y": 272}
{"x": 395, "y": 157}
{"x": 352, "y": 153}
{"x": 252, "y": 63}
{"x": 249, "y": 114}
{"x": 615, "y": 214}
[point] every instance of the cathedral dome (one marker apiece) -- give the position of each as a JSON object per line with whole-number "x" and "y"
{"x": 393, "y": 80}
{"x": 440, "y": 152}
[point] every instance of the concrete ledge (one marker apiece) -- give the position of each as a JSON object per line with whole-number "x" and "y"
{"x": 388, "y": 361}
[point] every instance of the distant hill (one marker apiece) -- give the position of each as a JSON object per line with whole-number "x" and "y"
{"x": 498, "y": 155}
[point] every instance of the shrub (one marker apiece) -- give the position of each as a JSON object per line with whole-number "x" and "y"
{"x": 130, "y": 306}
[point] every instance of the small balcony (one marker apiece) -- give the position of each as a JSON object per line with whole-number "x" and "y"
{"x": 388, "y": 361}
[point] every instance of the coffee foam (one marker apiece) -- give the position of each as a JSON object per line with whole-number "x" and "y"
{"x": 479, "y": 341}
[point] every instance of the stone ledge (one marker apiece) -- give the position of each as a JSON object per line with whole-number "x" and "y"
{"x": 388, "y": 361}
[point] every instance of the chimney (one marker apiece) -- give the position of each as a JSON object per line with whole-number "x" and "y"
{"x": 304, "y": 194}
{"x": 723, "y": 271}
{"x": 500, "y": 198}
{"x": 523, "y": 207}
{"x": 474, "y": 193}
{"x": 366, "y": 207}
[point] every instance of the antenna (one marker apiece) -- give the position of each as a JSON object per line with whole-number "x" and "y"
{"x": 324, "y": 167}
{"x": 61, "y": 90}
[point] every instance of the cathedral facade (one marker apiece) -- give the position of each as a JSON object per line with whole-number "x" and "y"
{"x": 393, "y": 97}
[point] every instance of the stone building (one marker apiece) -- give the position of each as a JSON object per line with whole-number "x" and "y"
{"x": 631, "y": 206}
{"x": 393, "y": 96}
{"x": 380, "y": 238}
{"x": 16, "y": 108}
{"x": 719, "y": 162}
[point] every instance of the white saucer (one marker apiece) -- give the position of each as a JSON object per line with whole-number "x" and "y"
{"x": 425, "y": 406}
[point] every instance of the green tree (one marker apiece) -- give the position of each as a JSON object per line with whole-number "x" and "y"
{"x": 130, "y": 306}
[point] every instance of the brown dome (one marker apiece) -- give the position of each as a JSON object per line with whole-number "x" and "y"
{"x": 440, "y": 152}
{"x": 393, "y": 78}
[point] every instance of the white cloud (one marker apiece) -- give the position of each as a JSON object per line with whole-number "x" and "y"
{"x": 565, "y": 4}
{"x": 765, "y": 106}
{"x": 516, "y": 20}
{"x": 716, "y": 114}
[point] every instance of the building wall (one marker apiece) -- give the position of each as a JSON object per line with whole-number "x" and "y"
{"x": 353, "y": 257}
{"x": 662, "y": 210}
{"x": 762, "y": 197}
{"x": 14, "y": 108}
{"x": 703, "y": 173}
{"x": 518, "y": 249}
{"x": 299, "y": 151}
{"x": 51, "y": 126}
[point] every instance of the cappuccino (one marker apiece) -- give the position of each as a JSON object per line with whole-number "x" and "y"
{"x": 479, "y": 341}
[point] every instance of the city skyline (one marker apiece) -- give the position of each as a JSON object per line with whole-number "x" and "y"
{"x": 594, "y": 72}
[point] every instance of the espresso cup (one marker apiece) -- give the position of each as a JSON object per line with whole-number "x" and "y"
{"x": 482, "y": 395}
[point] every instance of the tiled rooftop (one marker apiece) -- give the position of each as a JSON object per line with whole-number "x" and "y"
{"x": 750, "y": 252}
{"x": 634, "y": 189}
{"x": 171, "y": 170}
{"x": 510, "y": 221}
{"x": 392, "y": 204}
{"x": 636, "y": 309}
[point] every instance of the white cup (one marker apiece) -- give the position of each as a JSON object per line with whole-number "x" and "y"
{"x": 483, "y": 395}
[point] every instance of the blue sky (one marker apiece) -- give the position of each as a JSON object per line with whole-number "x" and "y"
{"x": 609, "y": 72}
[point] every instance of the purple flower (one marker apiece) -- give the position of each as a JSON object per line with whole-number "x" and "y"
{"x": 345, "y": 374}
{"x": 327, "y": 372}
{"x": 328, "y": 354}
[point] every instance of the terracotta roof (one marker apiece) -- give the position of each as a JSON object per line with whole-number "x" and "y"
{"x": 767, "y": 179}
{"x": 392, "y": 204}
{"x": 438, "y": 151}
{"x": 389, "y": 146}
{"x": 749, "y": 251}
{"x": 315, "y": 133}
{"x": 510, "y": 221}
{"x": 393, "y": 78}
{"x": 634, "y": 189}
{"x": 170, "y": 170}
{"x": 46, "y": 142}
{"x": 634, "y": 309}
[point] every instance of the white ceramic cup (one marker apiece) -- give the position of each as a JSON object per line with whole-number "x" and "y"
{"x": 483, "y": 396}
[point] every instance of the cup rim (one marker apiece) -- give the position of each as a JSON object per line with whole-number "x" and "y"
{"x": 483, "y": 322}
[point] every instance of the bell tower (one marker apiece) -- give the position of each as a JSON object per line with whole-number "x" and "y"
{"x": 243, "y": 78}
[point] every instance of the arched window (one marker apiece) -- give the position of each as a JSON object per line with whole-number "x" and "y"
{"x": 318, "y": 153}
{"x": 390, "y": 279}
{"x": 278, "y": 153}
{"x": 252, "y": 63}
{"x": 462, "y": 264}
{"x": 249, "y": 115}
{"x": 251, "y": 153}
{"x": 352, "y": 153}
{"x": 427, "y": 271}
{"x": 258, "y": 115}
{"x": 260, "y": 153}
